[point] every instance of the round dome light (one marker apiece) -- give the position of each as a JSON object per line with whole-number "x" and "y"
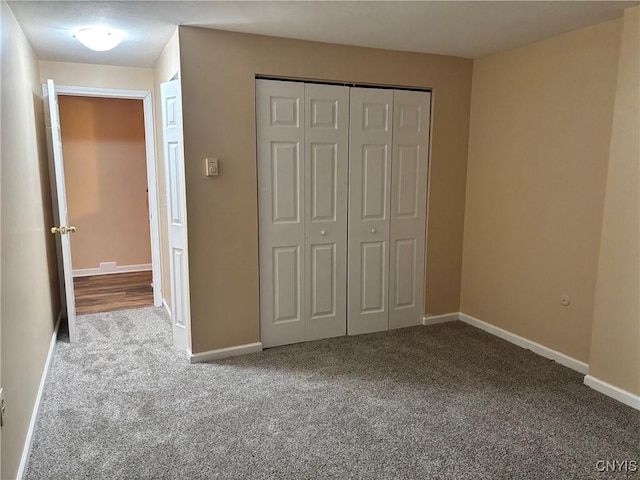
{"x": 99, "y": 39}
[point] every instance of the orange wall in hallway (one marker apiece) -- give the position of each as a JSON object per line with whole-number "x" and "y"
{"x": 106, "y": 179}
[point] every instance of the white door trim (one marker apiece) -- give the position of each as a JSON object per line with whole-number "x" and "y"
{"x": 149, "y": 137}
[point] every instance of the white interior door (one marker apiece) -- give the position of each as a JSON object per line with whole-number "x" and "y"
{"x": 369, "y": 204}
{"x": 176, "y": 210}
{"x": 61, "y": 228}
{"x": 408, "y": 207}
{"x": 280, "y": 113}
{"x": 326, "y": 146}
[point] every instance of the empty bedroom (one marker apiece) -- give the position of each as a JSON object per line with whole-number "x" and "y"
{"x": 320, "y": 240}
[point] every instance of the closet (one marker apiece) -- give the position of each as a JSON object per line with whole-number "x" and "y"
{"x": 342, "y": 189}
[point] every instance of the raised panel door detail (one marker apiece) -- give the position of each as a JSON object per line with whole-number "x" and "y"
{"x": 373, "y": 261}
{"x": 323, "y": 181}
{"x": 324, "y": 113}
{"x": 410, "y": 117}
{"x": 374, "y": 182}
{"x": 175, "y": 178}
{"x": 285, "y": 111}
{"x": 177, "y": 258}
{"x": 407, "y": 181}
{"x": 405, "y": 273}
{"x": 323, "y": 280}
{"x": 375, "y": 116}
{"x": 171, "y": 114}
{"x": 286, "y": 284}
{"x": 285, "y": 161}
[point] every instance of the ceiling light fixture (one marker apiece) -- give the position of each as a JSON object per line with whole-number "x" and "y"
{"x": 99, "y": 39}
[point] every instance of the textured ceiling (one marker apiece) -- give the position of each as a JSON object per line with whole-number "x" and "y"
{"x": 460, "y": 28}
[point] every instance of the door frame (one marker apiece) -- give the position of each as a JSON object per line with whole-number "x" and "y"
{"x": 152, "y": 185}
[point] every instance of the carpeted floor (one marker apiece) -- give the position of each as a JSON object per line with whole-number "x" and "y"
{"x": 446, "y": 401}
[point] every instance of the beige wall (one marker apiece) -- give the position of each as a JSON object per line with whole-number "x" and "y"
{"x": 106, "y": 180}
{"x": 97, "y": 76}
{"x": 29, "y": 297}
{"x": 615, "y": 342}
{"x": 538, "y": 151}
{"x": 218, "y": 89}
{"x": 166, "y": 67}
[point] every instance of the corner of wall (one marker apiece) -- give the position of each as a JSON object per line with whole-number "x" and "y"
{"x": 615, "y": 340}
{"x": 466, "y": 187}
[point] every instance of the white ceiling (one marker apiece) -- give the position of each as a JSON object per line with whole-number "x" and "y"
{"x": 461, "y": 28}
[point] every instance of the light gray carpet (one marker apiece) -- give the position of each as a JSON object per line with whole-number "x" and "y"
{"x": 446, "y": 401}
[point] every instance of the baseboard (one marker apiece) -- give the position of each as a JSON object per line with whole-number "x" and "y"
{"x": 22, "y": 467}
{"x": 435, "y": 319}
{"x": 166, "y": 307}
{"x": 225, "y": 352}
{"x": 109, "y": 268}
{"x": 546, "y": 352}
{"x": 612, "y": 391}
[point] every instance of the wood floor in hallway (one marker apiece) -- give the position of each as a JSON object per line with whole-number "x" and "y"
{"x": 119, "y": 291}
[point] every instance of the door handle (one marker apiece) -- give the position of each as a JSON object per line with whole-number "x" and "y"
{"x": 323, "y": 232}
{"x": 63, "y": 230}
{"x": 373, "y": 230}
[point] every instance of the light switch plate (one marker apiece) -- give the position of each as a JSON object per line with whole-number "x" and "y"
{"x": 211, "y": 165}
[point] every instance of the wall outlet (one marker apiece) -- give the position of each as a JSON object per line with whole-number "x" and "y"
{"x": 1, "y": 406}
{"x": 211, "y": 165}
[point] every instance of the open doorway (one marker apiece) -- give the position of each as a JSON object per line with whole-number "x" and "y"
{"x": 104, "y": 151}
{"x": 110, "y": 191}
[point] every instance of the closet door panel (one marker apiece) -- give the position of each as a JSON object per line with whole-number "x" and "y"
{"x": 408, "y": 207}
{"x": 327, "y": 160}
{"x": 281, "y": 173}
{"x": 371, "y": 126}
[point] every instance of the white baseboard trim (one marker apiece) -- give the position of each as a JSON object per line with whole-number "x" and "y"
{"x": 435, "y": 319}
{"x": 612, "y": 391}
{"x": 22, "y": 467}
{"x": 546, "y": 352}
{"x": 225, "y": 352}
{"x": 109, "y": 268}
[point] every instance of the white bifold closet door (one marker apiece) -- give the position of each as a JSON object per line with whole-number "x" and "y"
{"x": 409, "y": 171}
{"x": 387, "y": 208}
{"x": 302, "y": 147}
{"x": 369, "y": 205}
{"x": 326, "y": 182}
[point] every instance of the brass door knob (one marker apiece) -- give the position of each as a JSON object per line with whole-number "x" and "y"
{"x": 63, "y": 230}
